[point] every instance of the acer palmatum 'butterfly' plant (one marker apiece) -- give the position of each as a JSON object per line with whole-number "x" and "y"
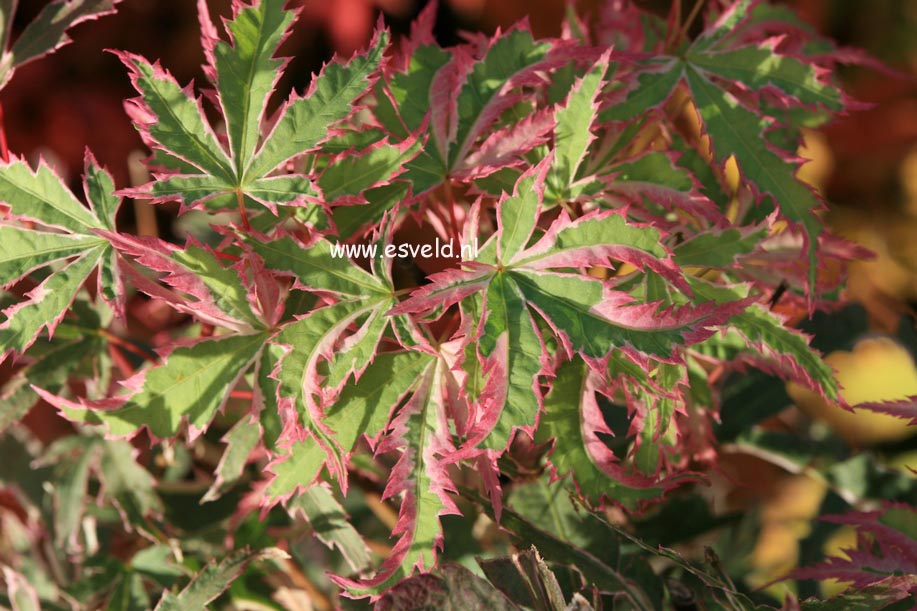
{"x": 505, "y": 278}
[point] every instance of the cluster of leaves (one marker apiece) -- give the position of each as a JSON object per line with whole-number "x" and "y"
{"x": 620, "y": 273}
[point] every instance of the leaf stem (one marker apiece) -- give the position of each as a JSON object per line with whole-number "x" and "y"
{"x": 226, "y": 256}
{"x": 675, "y": 22}
{"x": 644, "y": 139}
{"x": 404, "y": 291}
{"x": 302, "y": 581}
{"x": 4, "y": 149}
{"x": 380, "y": 509}
{"x": 114, "y": 340}
{"x": 450, "y": 205}
{"x": 120, "y": 361}
{"x": 683, "y": 30}
{"x": 240, "y": 200}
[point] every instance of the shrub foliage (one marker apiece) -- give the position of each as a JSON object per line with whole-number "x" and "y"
{"x": 628, "y": 202}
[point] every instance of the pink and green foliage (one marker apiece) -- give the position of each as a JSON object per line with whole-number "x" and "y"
{"x": 886, "y": 549}
{"x": 46, "y": 33}
{"x": 616, "y": 271}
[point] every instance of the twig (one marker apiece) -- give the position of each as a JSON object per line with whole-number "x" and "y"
{"x": 683, "y": 30}
{"x": 113, "y": 339}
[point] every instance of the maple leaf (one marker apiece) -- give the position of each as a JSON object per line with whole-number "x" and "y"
{"x": 322, "y": 349}
{"x": 189, "y": 387}
{"x": 332, "y": 525}
{"x": 514, "y": 276}
{"x": 362, "y": 299}
{"x": 462, "y": 93}
{"x": 49, "y": 365}
{"x": 771, "y": 344}
{"x": 738, "y": 127}
{"x": 203, "y": 287}
{"x": 20, "y": 591}
{"x": 407, "y": 397}
{"x": 573, "y": 133}
{"x": 578, "y": 450}
{"x": 585, "y": 172}
{"x": 719, "y": 248}
{"x": 214, "y": 579}
{"x": 199, "y": 170}
{"x": 362, "y": 408}
{"x": 46, "y": 33}
{"x": 114, "y": 464}
{"x": 421, "y": 433}
{"x": 905, "y": 408}
{"x": 886, "y": 547}
{"x": 241, "y": 440}
{"x": 68, "y": 231}
{"x": 348, "y": 177}
{"x": 194, "y": 380}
